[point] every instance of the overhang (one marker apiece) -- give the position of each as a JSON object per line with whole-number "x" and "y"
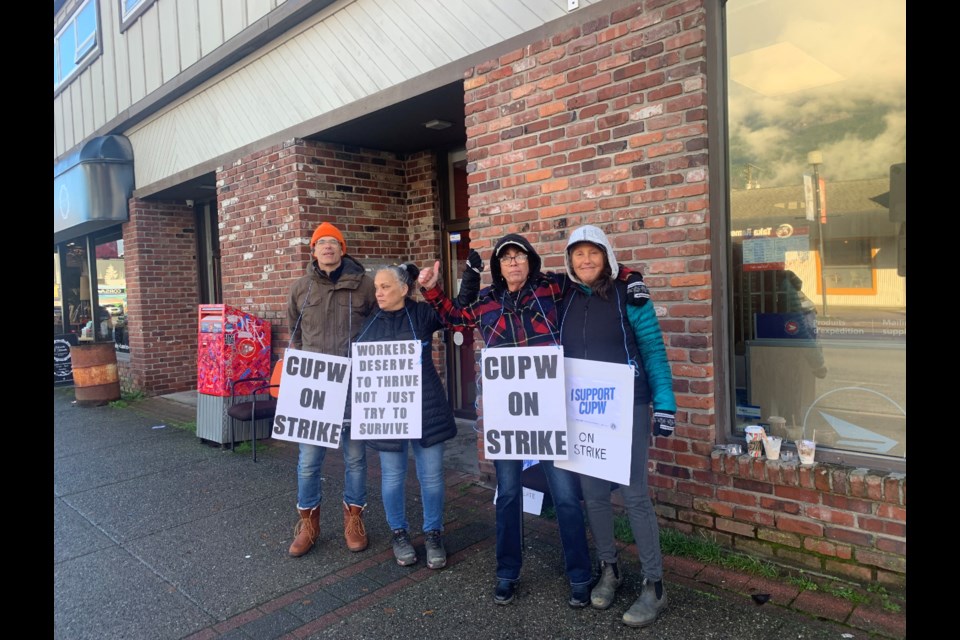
{"x": 91, "y": 187}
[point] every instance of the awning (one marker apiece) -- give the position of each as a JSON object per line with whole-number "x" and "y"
{"x": 91, "y": 188}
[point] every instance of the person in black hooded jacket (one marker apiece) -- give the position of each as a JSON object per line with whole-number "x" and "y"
{"x": 402, "y": 318}
{"x": 521, "y": 309}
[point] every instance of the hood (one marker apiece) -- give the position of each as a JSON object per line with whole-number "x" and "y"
{"x": 521, "y": 242}
{"x": 592, "y": 234}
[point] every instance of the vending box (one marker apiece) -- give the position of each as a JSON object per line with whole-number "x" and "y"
{"x": 232, "y": 346}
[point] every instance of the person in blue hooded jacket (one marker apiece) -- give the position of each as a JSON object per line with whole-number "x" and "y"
{"x": 596, "y": 323}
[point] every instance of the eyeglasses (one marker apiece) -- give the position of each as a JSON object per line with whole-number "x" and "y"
{"x": 519, "y": 258}
{"x": 328, "y": 241}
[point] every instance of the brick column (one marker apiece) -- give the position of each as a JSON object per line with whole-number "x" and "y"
{"x": 160, "y": 256}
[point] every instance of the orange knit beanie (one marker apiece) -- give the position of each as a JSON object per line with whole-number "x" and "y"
{"x": 327, "y": 229}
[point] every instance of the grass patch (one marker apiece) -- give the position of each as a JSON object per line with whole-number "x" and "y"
{"x": 243, "y": 447}
{"x": 845, "y": 592}
{"x": 881, "y": 592}
{"x": 887, "y": 605}
{"x": 704, "y": 550}
{"x": 127, "y": 398}
{"x": 184, "y": 426}
{"x": 803, "y": 583}
{"x": 247, "y": 446}
{"x": 549, "y": 512}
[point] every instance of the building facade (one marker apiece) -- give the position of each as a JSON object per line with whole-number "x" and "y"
{"x": 749, "y": 158}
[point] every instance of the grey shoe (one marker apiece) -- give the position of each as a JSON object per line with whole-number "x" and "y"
{"x": 647, "y": 607}
{"x": 603, "y": 593}
{"x": 403, "y": 551}
{"x": 436, "y": 554}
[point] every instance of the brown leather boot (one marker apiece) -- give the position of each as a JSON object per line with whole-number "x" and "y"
{"x": 353, "y": 529}
{"x": 306, "y": 532}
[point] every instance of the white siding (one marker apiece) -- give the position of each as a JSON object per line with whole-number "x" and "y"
{"x": 345, "y": 53}
{"x": 211, "y": 26}
{"x": 256, "y": 9}
{"x": 152, "y": 61}
{"x": 86, "y": 101}
{"x": 188, "y": 32}
{"x": 135, "y": 70}
{"x": 108, "y": 65}
{"x": 169, "y": 40}
{"x": 234, "y": 17}
{"x": 99, "y": 111}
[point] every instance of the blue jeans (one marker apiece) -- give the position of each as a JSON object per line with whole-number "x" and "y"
{"x": 573, "y": 533}
{"x": 393, "y": 468}
{"x": 310, "y": 469}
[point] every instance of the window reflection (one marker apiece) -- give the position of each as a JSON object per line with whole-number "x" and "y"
{"x": 112, "y": 293}
{"x": 817, "y": 145}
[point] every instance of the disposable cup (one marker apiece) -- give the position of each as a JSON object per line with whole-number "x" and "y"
{"x": 771, "y": 447}
{"x": 778, "y": 426}
{"x": 806, "y": 450}
{"x": 754, "y": 436}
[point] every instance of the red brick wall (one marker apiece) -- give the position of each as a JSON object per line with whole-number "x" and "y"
{"x": 160, "y": 258}
{"x": 605, "y": 124}
{"x": 270, "y": 202}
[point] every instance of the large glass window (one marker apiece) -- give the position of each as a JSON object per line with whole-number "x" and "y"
{"x": 112, "y": 292}
{"x": 817, "y": 150}
{"x": 76, "y": 43}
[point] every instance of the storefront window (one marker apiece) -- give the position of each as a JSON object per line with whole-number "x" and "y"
{"x": 112, "y": 292}
{"x": 817, "y": 150}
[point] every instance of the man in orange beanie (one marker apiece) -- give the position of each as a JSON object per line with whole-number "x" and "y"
{"x": 326, "y": 309}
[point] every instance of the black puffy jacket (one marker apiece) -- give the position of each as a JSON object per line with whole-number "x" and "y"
{"x": 382, "y": 326}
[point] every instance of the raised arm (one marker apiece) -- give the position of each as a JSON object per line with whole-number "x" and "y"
{"x": 453, "y": 315}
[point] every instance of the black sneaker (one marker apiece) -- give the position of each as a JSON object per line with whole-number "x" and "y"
{"x": 503, "y": 594}
{"x": 403, "y": 551}
{"x": 436, "y": 554}
{"x": 579, "y": 595}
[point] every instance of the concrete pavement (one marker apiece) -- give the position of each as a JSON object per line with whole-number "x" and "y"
{"x": 158, "y": 535}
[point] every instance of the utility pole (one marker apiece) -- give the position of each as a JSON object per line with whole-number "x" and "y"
{"x": 815, "y": 158}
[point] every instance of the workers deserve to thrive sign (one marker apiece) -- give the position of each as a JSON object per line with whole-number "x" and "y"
{"x": 599, "y": 406}
{"x": 523, "y": 413}
{"x": 313, "y": 398}
{"x": 385, "y": 397}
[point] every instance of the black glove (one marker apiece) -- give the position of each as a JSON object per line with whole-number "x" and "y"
{"x": 637, "y": 292}
{"x": 663, "y": 423}
{"x": 474, "y": 262}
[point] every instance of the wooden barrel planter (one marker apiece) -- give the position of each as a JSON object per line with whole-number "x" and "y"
{"x": 95, "y": 378}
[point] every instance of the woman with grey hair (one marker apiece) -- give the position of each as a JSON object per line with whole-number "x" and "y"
{"x": 401, "y": 318}
{"x": 596, "y": 323}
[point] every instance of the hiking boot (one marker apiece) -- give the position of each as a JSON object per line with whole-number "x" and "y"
{"x": 602, "y": 595}
{"x": 648, "y": 606}
{"x": 306, "y": 532}
{"x": 353, "y": 530}
{"x": 579, "y": 595}
{"x": 436, "y": 554}
{"x": 503, "y": 594}
{"x": 403, "y": 551}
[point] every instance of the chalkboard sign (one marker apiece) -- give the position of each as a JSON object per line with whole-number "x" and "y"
{"x": 62, "y": 366}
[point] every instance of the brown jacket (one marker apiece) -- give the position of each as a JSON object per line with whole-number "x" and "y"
{"x": 333, "y": 312}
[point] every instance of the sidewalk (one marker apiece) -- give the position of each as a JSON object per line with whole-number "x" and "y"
{"x": 158, "y": 535}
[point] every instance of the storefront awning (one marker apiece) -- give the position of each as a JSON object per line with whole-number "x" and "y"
{"x": 91, "y": 187}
